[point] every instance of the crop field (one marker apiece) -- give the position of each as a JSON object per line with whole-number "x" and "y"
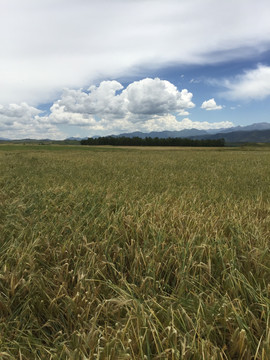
{"x": 129, "y": 253}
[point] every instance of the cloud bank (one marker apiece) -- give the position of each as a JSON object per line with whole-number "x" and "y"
{"x": 145, "y": 105}
{"x": 144, "y": 98}
{"x": 21, "y": 120}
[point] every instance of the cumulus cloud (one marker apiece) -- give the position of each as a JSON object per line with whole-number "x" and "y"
{"x": 90, "y": 40}
{"x": 211, "y": 105}
{"x": 252, "y": 85}
{"x": 155, "y": 96}
{"x": 150, "y": 123}
{"x": 15, "y": 111}
{"x": 100, "y": 99}
{"x": 19, "y": 121}
{"x": 145, "y": 105}
{"x": 59, "y": 115}
{"x": 170, "y": 122}
{"x": 140, "y": 99}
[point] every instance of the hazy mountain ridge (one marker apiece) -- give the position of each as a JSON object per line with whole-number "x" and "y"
{"x": 190, "y": 133}
{"x": 239, "y": 136}
{"x": 164, "y": 134}
{"x": 252, "y": 127}
{"x": 257, "y": 132}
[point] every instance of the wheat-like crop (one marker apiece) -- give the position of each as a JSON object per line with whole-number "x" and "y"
{"x": 113, "y": 253}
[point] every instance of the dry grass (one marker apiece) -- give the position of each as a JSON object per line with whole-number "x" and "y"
{"x": 129, "y": 254}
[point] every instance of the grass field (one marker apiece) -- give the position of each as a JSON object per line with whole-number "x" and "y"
{"x": 134, "y": 254}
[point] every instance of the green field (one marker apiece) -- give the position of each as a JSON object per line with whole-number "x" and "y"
{"x": 115, "y": 253}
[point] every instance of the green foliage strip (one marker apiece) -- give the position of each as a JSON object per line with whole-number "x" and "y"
{"x": 148, "y": 141}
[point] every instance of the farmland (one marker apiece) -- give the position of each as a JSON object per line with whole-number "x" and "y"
{"x": 134, "y": 253}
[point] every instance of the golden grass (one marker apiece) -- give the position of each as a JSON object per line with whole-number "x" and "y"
{"x": 129, "y": 254}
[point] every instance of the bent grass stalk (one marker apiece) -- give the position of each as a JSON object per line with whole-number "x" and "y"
{"x": 134, "y": 254}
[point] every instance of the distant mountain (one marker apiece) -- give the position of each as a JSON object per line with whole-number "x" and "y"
{"x": 190, "y": 133}
{"x": 255, "y": 136}
{"x": 258, "y": 132}
{"x": 256, "y": 126}
{"x": 76, "y": 138}
{"x": 28, "y": 140}
{"x": 164, "y": 134}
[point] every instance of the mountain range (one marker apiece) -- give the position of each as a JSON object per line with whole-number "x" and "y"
{"x": 258, "y": 132}
{"x": 252, "y": 136}
{"x": 204, "y": 134}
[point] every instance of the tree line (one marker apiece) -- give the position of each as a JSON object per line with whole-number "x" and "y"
{"x": 148, "y": 141}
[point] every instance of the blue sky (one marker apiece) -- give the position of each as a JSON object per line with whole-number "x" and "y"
{"x": 87, "y": 67}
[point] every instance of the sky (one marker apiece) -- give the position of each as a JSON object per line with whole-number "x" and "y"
{"x": 98, "y": 67}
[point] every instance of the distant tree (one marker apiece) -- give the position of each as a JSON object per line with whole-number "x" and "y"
{"x": 148, "y": 141}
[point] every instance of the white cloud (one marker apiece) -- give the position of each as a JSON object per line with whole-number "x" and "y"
{"x": 183, "y": 113}
{"x": 19, "y": 121}
{"x": 151, "y": 123}
{"x": 101, "y": 99}
{"x": 48, "y": 45}
{"x": 23, "y": 121}
{"x": 170, "y": 122}
{"x": 14, "y": 111}
{"x": 155, "y": 96}
{"x": 140, "y": 99}
{"x": 60, "y": 116}
{"x": 252, "y": 85}
{"x": 211, "y": 105}
{"x": 145, "y": 105}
